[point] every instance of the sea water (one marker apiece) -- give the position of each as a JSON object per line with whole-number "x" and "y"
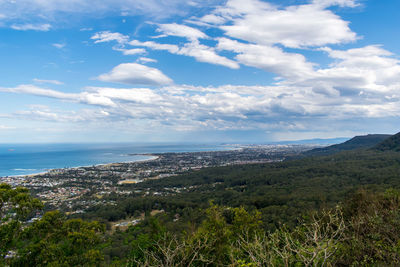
{"x": 23, "y": 159}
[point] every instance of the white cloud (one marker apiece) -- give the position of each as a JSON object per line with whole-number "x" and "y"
{"x": 136, "y": 95}
{"x": 342, "y": 3}
{"x": 203, "y": 53}
{"x": 47, "y": 81}
{"x": 173, "y": 49}
{"x": 38, "y": 115}
{"x": 107, "y": 36}
{"x": 223, "y": 107}
{"x": 369, "y": 69}
{"x": 179, "y": 30}
{"x": 293, "y": 26}
{"x": 46, "y": 114}
{"x": 134, "y": 51}
{"x": 212, "y": 19}
{"x": 135, "y": 74}
{"x": 146, "y": 60}
{"x": 61, "y": 10}
{"x": 359, "y": 83}
{"x": 74, "y": 97}
{"x": 87, "y": 29}
{"x": 59, "y": 45}
{"x": 200, "y": 52}
{"x": 269, "y": 58}
{"x": 31, "y": 27}
{"x": 193, "y": 48}
{"x": 130, "y": 52}
{"x": 4, "y": 127}
{"x": 38, "y": 91}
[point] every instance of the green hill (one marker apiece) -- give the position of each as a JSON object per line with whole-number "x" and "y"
{"x": 390, "y": 144}
{"x": 357, "y": 142}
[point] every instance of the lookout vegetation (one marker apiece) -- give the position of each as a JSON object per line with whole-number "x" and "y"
{"x": 363, "y": 230}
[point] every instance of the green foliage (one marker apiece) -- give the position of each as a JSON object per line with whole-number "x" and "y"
{"x": 357, "y": 142}
{"x": 212, "y": 243}
{"x": 390, "y": 144}
{"x": 55, "y": 241}
{"x": 17, "y": 201}
{"x": 373, "y": 229}
{"x": 282, "y": 192}
{"x": 15, "y": 206}
{"x": 364, "y": 230}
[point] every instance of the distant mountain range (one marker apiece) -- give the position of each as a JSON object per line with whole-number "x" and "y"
{"x": 314, "y": 141}
{"x": 377, "y": 141}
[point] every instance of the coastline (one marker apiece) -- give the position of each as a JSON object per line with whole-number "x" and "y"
{"x": 151, "y": 158}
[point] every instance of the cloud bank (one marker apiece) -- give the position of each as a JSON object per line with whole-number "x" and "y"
{"x": 358, "y": 82}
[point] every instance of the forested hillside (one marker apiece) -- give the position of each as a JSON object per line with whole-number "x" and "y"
{"x": 363, "y": 230}
{"x": 341, "y": 209}
{"x": 357, "y": 142}
{"x": 281, "y": 191}
{"x": 390, "y": 144}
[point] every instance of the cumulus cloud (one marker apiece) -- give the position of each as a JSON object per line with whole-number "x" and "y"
{"x": 262, "y": 26}
{"x": 135, "y": 74}
{"x": 360, "y": 82}
{"x": 369, "y": 69}
{"x": 269, "y": 58}
{"x": 223, "y": 107}
{"x": 293, "y": 26}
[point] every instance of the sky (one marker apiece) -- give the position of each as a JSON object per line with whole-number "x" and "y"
{"x": 248, "y": 71}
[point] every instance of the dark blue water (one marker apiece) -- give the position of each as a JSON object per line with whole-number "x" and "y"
{"x": 35, "y": 158}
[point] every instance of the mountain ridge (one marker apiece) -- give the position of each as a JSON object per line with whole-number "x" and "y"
{"x": 357, "y": 142}
{"x": 390, "y": 144}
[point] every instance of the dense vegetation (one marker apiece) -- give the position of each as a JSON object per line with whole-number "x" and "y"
{"x": 357, "y": 142}
{"x": 364, "y": 230}
{"x": 390, "y": 144}
{"x": 336, "y": 210}
{"x": 282, "y": 192}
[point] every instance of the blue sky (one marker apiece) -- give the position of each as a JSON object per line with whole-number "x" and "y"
{"x": 203, "y": 71}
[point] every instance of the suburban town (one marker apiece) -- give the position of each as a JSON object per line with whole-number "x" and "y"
{"x": 74, "y": 190}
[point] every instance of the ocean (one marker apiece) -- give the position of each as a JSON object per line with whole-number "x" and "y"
{"x": 23, "y": 159}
